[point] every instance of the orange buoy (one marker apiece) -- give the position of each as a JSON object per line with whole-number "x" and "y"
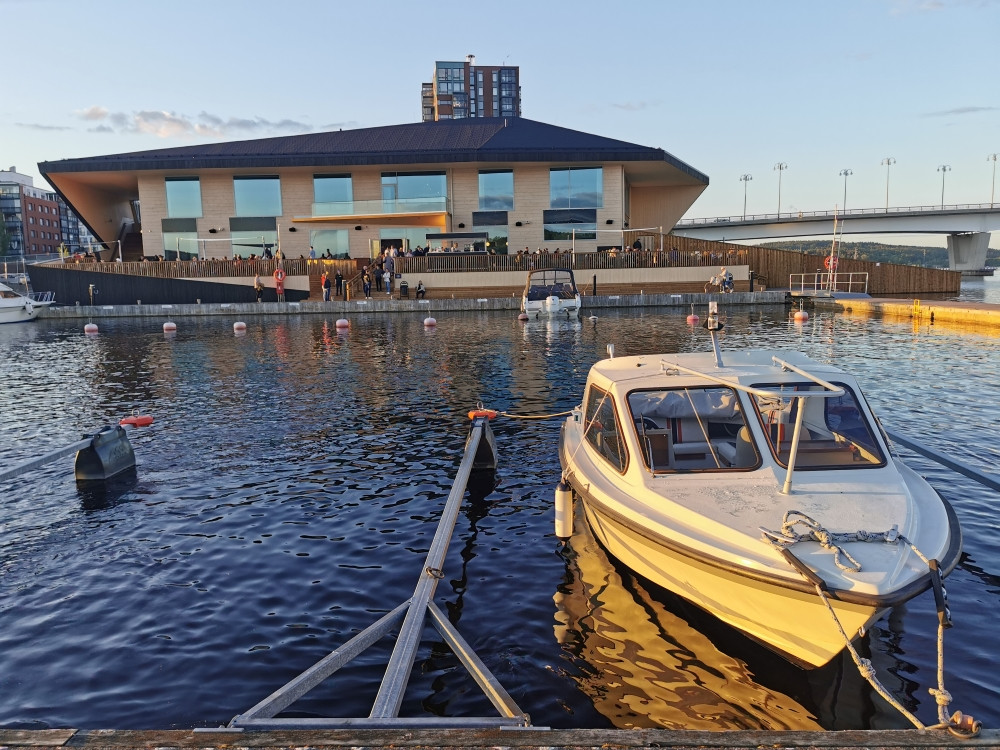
{"x": 90, "y": 328}
{"x": 169, "y": 326}
{"x": 801, "y": 316}
{"x": 488, "y": 413}
{"x": 343, "y": 323}
{"x": 429, "y": 322}
{"x": 137, "y": 420}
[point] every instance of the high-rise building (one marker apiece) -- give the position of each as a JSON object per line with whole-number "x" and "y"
{"x": 464, "y": 89}
{"x": 35, "y": 221}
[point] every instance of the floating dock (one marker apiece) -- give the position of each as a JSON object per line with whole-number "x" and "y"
{"x": 952, "y": 313}
{"x": 474, "y": 739}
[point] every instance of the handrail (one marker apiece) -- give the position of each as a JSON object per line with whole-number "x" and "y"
{"x": 792, "y": 215}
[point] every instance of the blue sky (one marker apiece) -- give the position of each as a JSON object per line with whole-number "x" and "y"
{"x": 729, "y": 87}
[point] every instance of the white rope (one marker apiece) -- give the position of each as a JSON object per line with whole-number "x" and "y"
{"x": 958, "y": 724}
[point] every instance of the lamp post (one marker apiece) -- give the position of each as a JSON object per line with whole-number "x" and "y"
{"x": 943, "y": 169}
{"x": 993, "y": 189}
{"x": 845, "y": 173}
{"x": 745, "y": 178}
{"x": 780, "y": 167}
{"x": 887, "y": 162}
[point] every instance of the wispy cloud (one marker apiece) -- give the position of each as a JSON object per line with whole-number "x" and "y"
{"x": 163, "y": 124}
{"x": 960, "y": 111}
{"x": 39, "y": 126}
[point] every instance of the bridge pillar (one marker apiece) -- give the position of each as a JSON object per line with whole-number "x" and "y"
{"x": 967, "y": 251}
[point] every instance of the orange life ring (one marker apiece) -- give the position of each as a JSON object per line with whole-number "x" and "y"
{"x": 279, "y": 275}
{"x": 488, "y": 413}
{"x": 830, "y": 262}
{"x": 137, "y": 421}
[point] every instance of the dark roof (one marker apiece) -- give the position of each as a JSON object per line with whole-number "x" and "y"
{"x": 492, "y": 139}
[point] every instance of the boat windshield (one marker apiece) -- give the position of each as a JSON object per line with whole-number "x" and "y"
{"x": 692, "y": 429}
{"x": 836, "y": 434}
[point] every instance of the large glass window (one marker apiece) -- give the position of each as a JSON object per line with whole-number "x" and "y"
{"x": 414, "y": 191}
{"x": 570, "y": 224}
{"x": 333, "y": 195}
{"x": 183, "y": 197}
{"x": 258, "y": 195}
{"x": 247, "y": 242}
{"x": 576, "y": 187}
{"x": 180, "y": 245}
{"x": 692, "y": 429}
{"x": 496, "y": 190}
{"x": 336, "y": 241}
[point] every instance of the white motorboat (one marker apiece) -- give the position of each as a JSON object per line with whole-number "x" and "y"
{"x": 18, "y": 308}
{"x": 697, "y": 471}
{"x": 550, "y": 291}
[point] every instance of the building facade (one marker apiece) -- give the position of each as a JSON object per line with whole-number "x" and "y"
{"x": 484, "y": 184}
{"x": 35, "y": 221}
{"x": 464, "y": 89}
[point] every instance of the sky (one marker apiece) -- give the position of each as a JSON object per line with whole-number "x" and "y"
{"x": 731, "y": 87}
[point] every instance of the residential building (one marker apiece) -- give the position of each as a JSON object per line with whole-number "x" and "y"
{"x": 35, "y": 221}
{"x": 464, "y": 89}
{"x": 483, "y": 183}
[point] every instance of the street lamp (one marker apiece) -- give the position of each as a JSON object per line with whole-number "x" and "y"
{"x": 745, "y": 178}
{"x": 780, "y": 167}
{"x": 943, "y": 169}
{"x": 887, "y": 162}
{"x": 845, "y": 173}
{"x": 993, "y": 189}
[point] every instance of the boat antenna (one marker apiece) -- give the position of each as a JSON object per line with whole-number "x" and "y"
{"x": 713, "y": 325}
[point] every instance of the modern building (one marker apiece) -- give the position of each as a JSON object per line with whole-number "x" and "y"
{"x": 483, "y": 183}
{"x": 464, "y": 89}
{"x": 35, "y": 221}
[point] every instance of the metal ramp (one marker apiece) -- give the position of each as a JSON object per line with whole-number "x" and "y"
{"x": 480, "y": 455}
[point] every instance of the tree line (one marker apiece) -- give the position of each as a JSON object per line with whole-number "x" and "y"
{"x": 877, "y": 252}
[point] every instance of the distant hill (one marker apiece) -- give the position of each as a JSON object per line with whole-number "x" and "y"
{"x": 907, "y": 255}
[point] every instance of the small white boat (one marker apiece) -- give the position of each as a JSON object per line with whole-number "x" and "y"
{"x": 18, "y": 308}
{"x": 698, "y": 473}
{"x": 550, "y": 291}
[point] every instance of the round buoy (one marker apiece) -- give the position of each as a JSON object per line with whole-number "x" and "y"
{"x": 801, "y": 316}
{"x": 592, "y": 317}
{"x": 137, "y": 420}
{"x": 239, "y": 325}
{"x": 522, "y": 316}
{"x": 343, "y": 323}
{"x": 429, "y": 322}
{"x": 693, "y": 319}
{"x": 90, "y": 328}
{"x": 169, "y": 326}
{"x": 564, "y": 510}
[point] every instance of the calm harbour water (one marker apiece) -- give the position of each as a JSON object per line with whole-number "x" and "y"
{"x": 289, "y": 489}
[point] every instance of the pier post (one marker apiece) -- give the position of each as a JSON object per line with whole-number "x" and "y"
{"x": 967, "y": 251}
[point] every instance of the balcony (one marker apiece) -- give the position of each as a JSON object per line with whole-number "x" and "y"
{"x": 373, "y": 209}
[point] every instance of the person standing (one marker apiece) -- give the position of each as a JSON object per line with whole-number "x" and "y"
{"x": 258, "y": 287}
{"x": 339, "y": 279}
{"x": 326, "y": 286}
{"x": 312, "y": 253}
{"x": 366, "y": 283}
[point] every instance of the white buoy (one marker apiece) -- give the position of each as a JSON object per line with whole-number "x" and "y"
{"x": 522, "y": 316}
{"x": 90, "y": 328}
{"x": 239, "y": 325}
{"x": 343, "y": 323}
{"x": 429, "y": 322}
{"x": 169, "y": 326}
{"x": 564, "y": 510}
{"x": 592, "y": 317}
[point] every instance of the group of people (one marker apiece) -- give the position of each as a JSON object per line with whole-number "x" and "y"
{"x": 328, "y": 284}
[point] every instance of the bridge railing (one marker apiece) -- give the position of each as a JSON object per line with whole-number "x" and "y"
{"x": 823, "y": 280}
{"x": 793, "y": 215}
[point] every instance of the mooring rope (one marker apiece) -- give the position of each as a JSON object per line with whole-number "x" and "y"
{"x": 535, "y": 416}
{"x": 959, "y": 724}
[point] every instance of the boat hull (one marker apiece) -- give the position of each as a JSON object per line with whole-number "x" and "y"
{"x": 22, "y": 312}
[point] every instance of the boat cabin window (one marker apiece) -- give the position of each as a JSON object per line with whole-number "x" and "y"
{"x": 836, "y": 434}
{"x": 602, "y": 429}
{"x": 692, "y": 429}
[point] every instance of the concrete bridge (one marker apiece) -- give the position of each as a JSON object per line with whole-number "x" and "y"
{"x": 968, "y": 227}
